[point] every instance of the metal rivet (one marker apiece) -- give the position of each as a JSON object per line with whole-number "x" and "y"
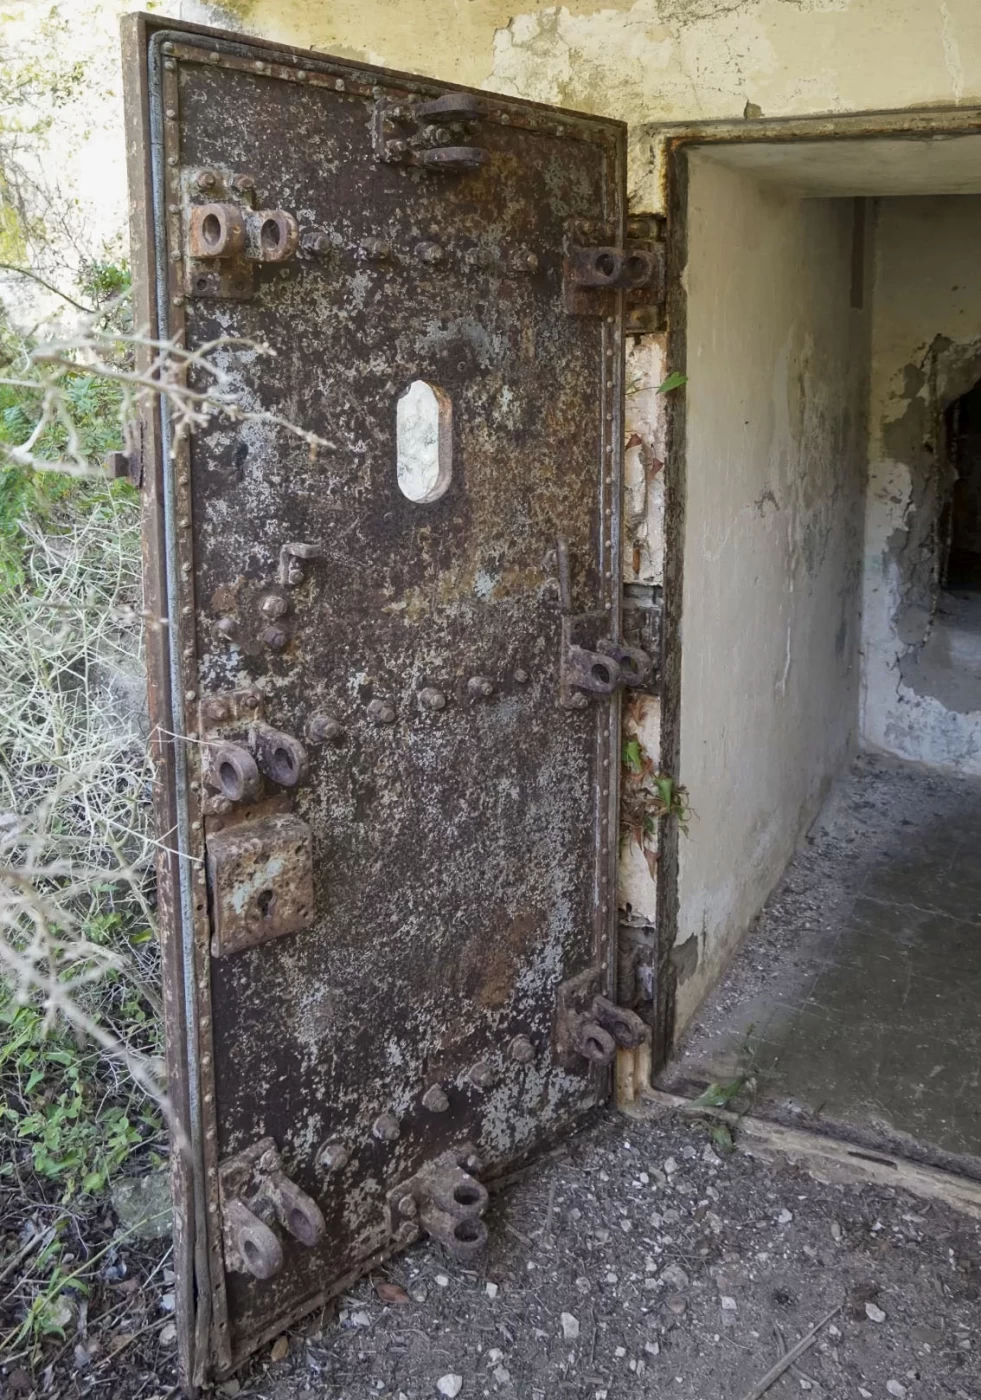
{"x": 192, "y": 695}
{"x": 214, "y": 57}
{"x": 171, "y": 160}
{"x": 205, "y": 179}
{"x": 168, "y": 47}
{"x": 479, "y": 687}
{"x": 408, "y": 1208}
{"x": 169, "y": 64}
{"x": 195, "y": 826}
{"x": 170, "y": 113}
{"x": 301, "y": 76}
{"x": 177, "y": 301}
{"x": 323, "y": 728}
{"x": 225, "y": 626}
{"x": 505, "y": 119}
{"x": 481, "y": 1075}
{"x": 333, "y": 1156}
{"x": 275, "y": 638}
{"x": 521, "y": 676}
{"x": 435, "y": 1100}
{"x": 521, "y": 1050}
{"x": 386, "y": 1128}
{"x": 339, "y": 84}
{"x": 380, "y": 713}
{"x": 430, "y": 699}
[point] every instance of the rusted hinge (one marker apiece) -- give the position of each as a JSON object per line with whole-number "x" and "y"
{"x": 588, "y": 1026}
{"x": 591, "y": 664}
{"x": 434, "y": 135}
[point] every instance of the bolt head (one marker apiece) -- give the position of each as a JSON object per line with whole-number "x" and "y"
{"x": 431, "y": 699}
{"x": 380, "y": 712}
{"x": 386, "y": 1128}
{"x": 481, "y": 1075}
{"x": 408, "y": 1208}
{"x": 215, "y": 709}
{"x": 205, "y": 179}
{"x": 521, "y": 676}
{"x": 274, "y": 605}
{"x": 579, "y": 702}
{"x": 521, "y": 1050}
{"x": 225, "y": 627}
{"x": 435, "y": 1100}
{"x": 480, "y": 688}
{"x": 333, "y": 1156}
{"x": 324, "y": 727}
{"x": 275, "y": 638}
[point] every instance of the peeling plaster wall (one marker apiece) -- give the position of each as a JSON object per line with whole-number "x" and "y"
{"x": 922, "y": 678}
{"x": 777, "y": 365}
{"x": 648, "y": 61}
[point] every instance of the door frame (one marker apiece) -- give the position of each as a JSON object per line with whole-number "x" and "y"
{"x": 670, "y": 145}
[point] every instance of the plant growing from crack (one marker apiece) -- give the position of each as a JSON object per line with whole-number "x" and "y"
{"x": 649, "y": 795}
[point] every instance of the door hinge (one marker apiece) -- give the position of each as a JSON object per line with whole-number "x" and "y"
{"x": 643, "y": 623}
{"x": 433, "y": 134}
{"x": 588, "y": 1026}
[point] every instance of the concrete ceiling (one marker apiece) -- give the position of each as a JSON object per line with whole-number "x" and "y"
{"x": 882, "y": 165}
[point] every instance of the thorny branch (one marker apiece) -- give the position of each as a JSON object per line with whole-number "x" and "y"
{"x": 78, "y": 777}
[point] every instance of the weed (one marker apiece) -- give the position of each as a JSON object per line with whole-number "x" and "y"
{"x": 648, "y": 796}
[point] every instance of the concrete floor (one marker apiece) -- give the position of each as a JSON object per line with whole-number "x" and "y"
{"x": 855, "y": 1001}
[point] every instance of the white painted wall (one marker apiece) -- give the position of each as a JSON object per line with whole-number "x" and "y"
{"x": 775, "y": 484}
{"x": 922, "y": 670}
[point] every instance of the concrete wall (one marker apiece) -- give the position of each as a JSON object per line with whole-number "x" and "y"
{"x": 922, "y": 683}
{"x": 639, "y": 60}
{"x": 775, "y": 471}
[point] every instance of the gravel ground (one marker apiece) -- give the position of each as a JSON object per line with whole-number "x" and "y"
{"x": 643, "y": 1264}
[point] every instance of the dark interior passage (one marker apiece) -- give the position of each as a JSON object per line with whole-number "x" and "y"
{"x": 853, "y": 1003}
{"x": 963, "y": 425}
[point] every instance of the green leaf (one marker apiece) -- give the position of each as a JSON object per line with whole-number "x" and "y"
{"x": 674, "y": 381}
{"x": 632, "y": 758}
{"x": 718, "y": 1095}
{"x": 722, "y": 1139}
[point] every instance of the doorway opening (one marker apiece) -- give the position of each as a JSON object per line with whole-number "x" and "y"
{"x": 824, "y": 933}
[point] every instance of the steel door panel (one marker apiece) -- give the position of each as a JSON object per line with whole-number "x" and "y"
{"x": 460, "y": 805}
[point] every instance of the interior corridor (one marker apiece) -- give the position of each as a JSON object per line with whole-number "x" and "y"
{"x": 852, "y": 1003}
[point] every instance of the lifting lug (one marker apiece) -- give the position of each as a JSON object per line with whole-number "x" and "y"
{"x": 256, "y": 1194}
{"x": 444, "y": 1200}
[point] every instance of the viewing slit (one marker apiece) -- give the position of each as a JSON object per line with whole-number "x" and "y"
{"x": 424, "y": 440}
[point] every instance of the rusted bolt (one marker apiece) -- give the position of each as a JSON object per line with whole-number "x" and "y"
{"x": 315, "y": 240}
{"x": 473, "y": 1163}
{"x": 396, "y": 149}
{"x": 439, "y": 135}
{"x": 408, "y": 1207}
{"x": 323, "y": 728}
{"x": 521, "y": 1050}
{"x": 274, "y": 605}
{"x": 430, "y": 253}
{"x": 333, "y": 1156}
{"x": 205, "y": 179}
{"x": 243, "y": 184}
{"x": 216, "y": 231}
{"x": 479, "y": 688}
{"x": 275, "y": 638}
{"x": 431, "y": 699}
{"x": 377, "y": 249}
{"x": 481, "y": 1075}
{"x": 225, "y": 627}
{"x": 221, "y": 805}
{"x": 435, "y": 1100}
{"x": 381, "y": 713}
{"x": 579, "y": 702}
{"x": 214, "y": 709}
{"x": 521, "y": 676}
{"x": 386, "y": 1128}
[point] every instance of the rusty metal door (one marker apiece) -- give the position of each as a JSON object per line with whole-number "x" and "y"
{"x": 390, "y": 666}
